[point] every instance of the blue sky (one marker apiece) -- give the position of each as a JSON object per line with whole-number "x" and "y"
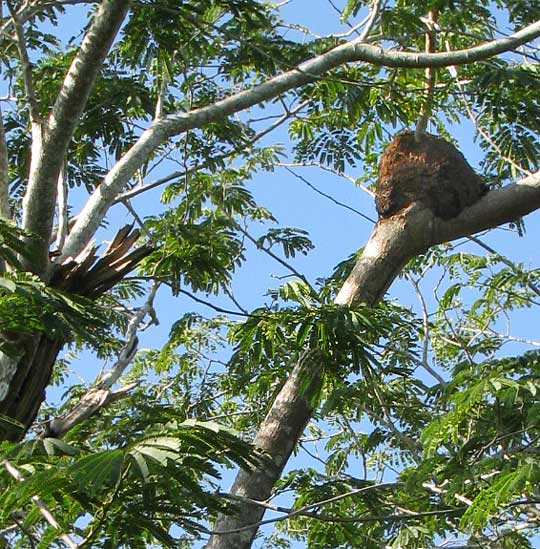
{"x": 335, "y": 231}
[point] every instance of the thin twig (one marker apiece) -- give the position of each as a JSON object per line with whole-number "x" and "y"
{"x": 26, "y": 67}
{"x": 504, "y": 260}
{"x": 183, "y": 173}
{"x": 270, "y": 253}
{"x": 305, "y": 511}
{"x": 326, "y": 169}
{"x": 430, "y": 76}
{"x": 329, "y": 197}
{"x": 474, "y": 119}
{"x": 425, "y": 321}
{"x": 370, "y": 19}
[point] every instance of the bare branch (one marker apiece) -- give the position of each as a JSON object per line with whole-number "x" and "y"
{"x": 183, "y": 173}
{"x": 330, "y": 197}
{"x": 328, "y": 169}
{"x": 275, "y": 257}
{"x": 290, "y": 513}
{"x": 26, "y": 66}
{"x": 425, "y": 321}
{"x": 97, "y": 206}
{"x": 495, "y": 208}
{"x": 306, "y": 510}
{"x": 370, "y": 19}
{"x": 533, "y": 287}
{"x": 474, "y": 119}
{"x": 100, "y": 394}
{"x": 430, "y": 77}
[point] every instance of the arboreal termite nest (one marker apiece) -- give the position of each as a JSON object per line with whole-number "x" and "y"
{"x": 432, "y": 172}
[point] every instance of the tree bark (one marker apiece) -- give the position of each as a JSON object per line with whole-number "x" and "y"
{"x": 393, "y": 242}
{"x": 26, "y": 390}
{"x": 49, "y": 145}
{"x": 25, "y": 377}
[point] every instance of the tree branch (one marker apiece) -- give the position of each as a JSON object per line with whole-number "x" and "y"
{"x": 97, "y": 206}
{"x": 183, "y": 173}
{"x": 4, "y": 171}
{"x": 495, "y": 208}
{"x": 328, "y": 196}
{"x": 392, "y": 243}
{"x": 62, "y": 215}
{"x": 40, "y": 197}
{"x": 307, "y": 510}
{"x": 26, "y": 69}
{"x": 100, "y": 394}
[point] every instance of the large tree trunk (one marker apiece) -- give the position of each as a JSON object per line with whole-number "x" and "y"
{"x": 392, "y": 243}
{"x": 25, "y": 375}
{"x": 26, "y": 391}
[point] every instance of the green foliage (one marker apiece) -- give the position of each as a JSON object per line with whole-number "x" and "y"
{"x": 426, "y": 420}
{"x": 137, "y": 493}
{"x": 292, "y": 240}
{"x": 27, "y": 305}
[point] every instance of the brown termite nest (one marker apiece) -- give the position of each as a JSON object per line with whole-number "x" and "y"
{"x": 432, "y": 172}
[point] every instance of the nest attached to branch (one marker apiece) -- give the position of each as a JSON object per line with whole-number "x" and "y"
{"x": 431, "y": 172}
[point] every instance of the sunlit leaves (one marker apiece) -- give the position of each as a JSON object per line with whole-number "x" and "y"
{"x": 27, "y": 305}
{"x": 134, "y": 491}
{"x": 292, "y": 240}
{"x": 15, "y": 243}
{"x": 202, "y": 255}
{"x": 344, "y": 335}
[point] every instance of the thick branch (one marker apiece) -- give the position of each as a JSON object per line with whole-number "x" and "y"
{"x": 40, "y": 197}
{"x": 393, "y": 242}
{"x": 98, "y": 204}
{"x": 495, "y": 208}
{"x": 62, "y": 215}
{"x": 277, "y": 437}
{"x": 4, "y": 171}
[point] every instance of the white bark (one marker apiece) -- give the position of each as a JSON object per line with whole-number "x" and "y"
{"x": 97, "y": 206}
{"x": 62, "y": 211}
{"x": 101, "y": 392}
{"x": 47, "y": 158}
